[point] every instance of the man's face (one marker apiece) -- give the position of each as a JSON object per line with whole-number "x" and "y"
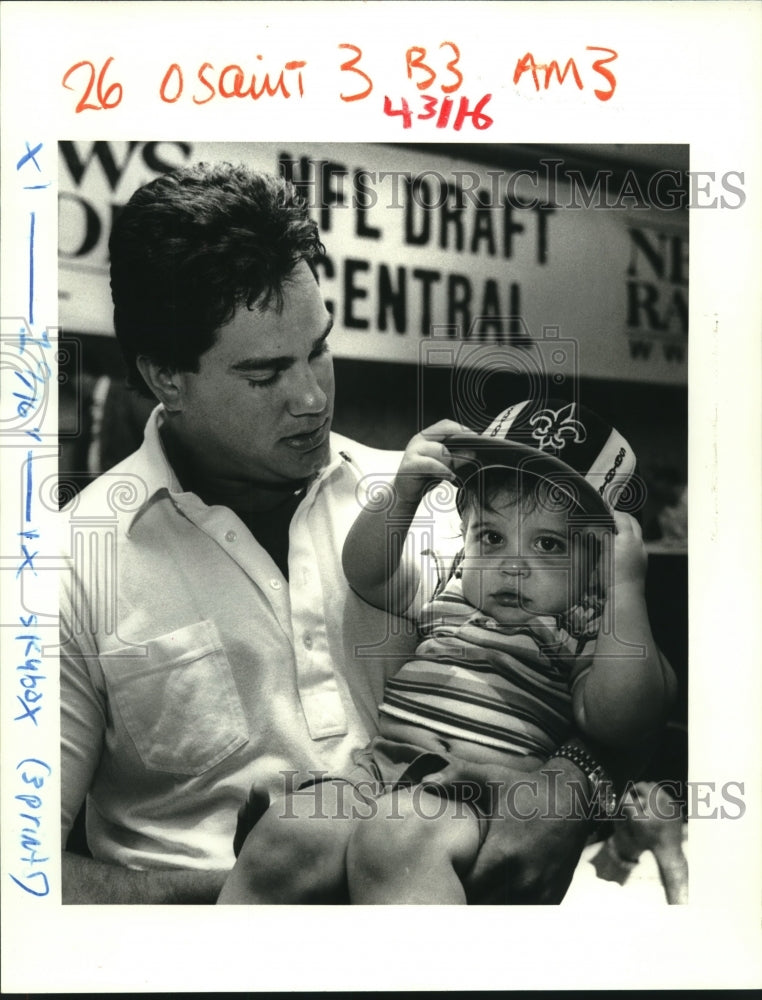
{"x": 516, "y": 563}
{"x": 259, "y": 409}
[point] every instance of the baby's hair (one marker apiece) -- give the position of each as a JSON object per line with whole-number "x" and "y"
{"x": 512, "y": 486}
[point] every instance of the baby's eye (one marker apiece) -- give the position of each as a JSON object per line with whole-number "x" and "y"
{"x": 550, "y": 545}
{"x": 491, "y": 538}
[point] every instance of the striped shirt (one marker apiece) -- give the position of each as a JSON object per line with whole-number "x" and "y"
{"x": 505, "y": 686}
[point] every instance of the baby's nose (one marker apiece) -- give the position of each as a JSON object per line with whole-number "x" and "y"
{"x": 512, "y": 565}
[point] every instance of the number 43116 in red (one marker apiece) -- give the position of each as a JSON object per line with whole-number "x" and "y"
{"x": 442, "y": 110}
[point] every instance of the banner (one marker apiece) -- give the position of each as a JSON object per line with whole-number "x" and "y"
{"x": 493, "y": 254}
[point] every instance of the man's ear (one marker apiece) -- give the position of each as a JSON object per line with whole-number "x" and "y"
{"x": 167, "y": 385}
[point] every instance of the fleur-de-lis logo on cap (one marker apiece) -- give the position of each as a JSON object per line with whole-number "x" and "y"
{"x": 553, "y": 428}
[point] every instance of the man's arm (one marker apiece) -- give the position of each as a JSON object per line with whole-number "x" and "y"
{"x": 539, "y": 825}
{"x": 83, "y": 719}
{"x": 534, "y": 842}
{"x": 86, "y": 881}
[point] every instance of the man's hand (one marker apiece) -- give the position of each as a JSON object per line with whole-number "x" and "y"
{"x": 534, "y": 838}
{"x": 427, "y": 460}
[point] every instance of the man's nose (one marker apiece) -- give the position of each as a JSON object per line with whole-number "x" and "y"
{"x": 306, "y": 395}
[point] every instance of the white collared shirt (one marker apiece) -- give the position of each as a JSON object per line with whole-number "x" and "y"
{"x": 191, "y": 668}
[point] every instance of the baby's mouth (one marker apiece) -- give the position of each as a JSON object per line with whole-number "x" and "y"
{"x": 507, "y": 598}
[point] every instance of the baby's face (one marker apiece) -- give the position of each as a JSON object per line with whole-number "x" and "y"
{"x": 517, "y": 564}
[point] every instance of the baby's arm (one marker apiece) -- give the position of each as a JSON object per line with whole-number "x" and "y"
{"x": 372, "y": 556}
{"x": 627, "y": 691}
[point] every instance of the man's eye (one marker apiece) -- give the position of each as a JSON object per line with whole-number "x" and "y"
{"x": 264, "y": 380}
{"x": 324, "y": 348}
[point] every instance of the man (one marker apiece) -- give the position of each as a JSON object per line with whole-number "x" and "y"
{"x": 210, "y": 641}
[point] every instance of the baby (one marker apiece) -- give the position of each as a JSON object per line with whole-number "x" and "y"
{"x": 541, "y": 627}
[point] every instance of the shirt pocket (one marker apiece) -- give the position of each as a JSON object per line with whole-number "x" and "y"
{"x": 178, "y": 702}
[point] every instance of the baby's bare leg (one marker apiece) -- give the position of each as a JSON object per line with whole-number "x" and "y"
{"x": 296, "y": 853}
{"x": 412, "y": 850}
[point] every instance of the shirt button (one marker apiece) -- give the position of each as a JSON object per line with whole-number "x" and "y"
{"x": 230, "y": 536}
{"x": 275, "y": 584}
{"x": 307, "y": 640}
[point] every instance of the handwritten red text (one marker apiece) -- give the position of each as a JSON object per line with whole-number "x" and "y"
{"x": 442, "y": 111}
{"x": 106, "y": 97}
{"x": 234, "y": 81}
{"x": 543, "y": 74}
{"x": 414, "y": 62}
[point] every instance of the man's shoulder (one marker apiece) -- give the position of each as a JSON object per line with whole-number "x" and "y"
{"x": 366, "y": 458}
{"x": 114, "y": 495}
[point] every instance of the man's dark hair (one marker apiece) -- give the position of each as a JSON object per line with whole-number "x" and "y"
{"x": 192, "y": 246}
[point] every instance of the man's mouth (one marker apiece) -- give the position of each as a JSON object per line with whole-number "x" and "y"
{"x": 308, "y": 440}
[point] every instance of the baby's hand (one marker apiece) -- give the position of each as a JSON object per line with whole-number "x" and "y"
{"x": 630, "y": 557}
{"x": 427, "y": 460}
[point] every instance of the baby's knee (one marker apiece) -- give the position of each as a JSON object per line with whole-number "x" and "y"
{"x": 410, "y": 826}
{"x": 292, "y": 858}
{"x": 397, "y": 827}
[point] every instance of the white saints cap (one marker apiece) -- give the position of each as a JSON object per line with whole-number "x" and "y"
{"x": 562, "y": 442}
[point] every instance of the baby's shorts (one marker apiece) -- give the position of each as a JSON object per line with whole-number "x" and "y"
{"x": 386, "y": 766}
